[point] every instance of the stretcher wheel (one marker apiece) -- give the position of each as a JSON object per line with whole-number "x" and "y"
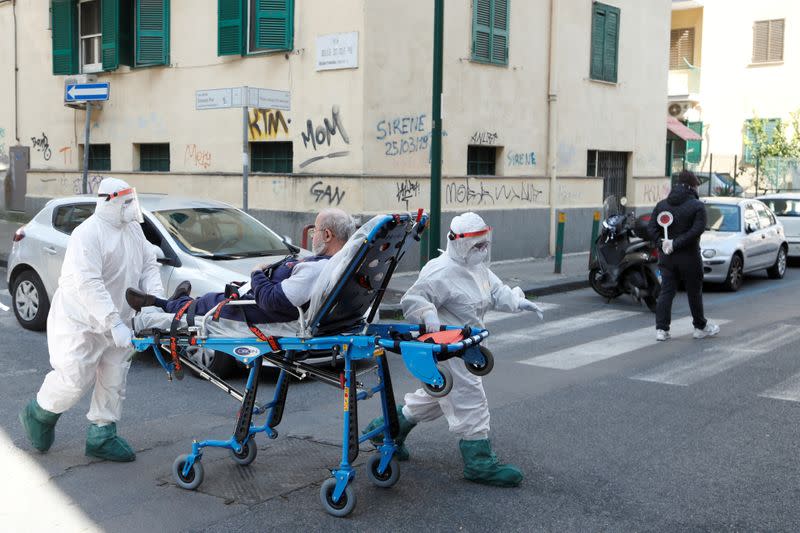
{"x": 192, "y": 480}
{"x": 444, "y": 389}
{"x": 389, "y": 476}
{"x": 248, "y": 453}
{"x": 345, "y": 504}
{"x": 486, "y": 367}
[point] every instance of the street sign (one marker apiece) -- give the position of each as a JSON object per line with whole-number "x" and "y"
{"x": 232, "y": 97}
{"x": 86, "y": 92}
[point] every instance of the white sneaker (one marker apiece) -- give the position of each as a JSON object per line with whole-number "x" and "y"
{"x": 662, "y": 335}
{"x": 710, "y": 330}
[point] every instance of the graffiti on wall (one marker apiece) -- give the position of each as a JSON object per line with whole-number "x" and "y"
{"x": 194, "y": 155}
{"x": 66, "y": 151}
{"x": 267, "y": 124}
{"x": 403, "y": 135}
{"x": 654, "y": 192}
{"x": 484, "y": 137}
{"x": 326, "y": 193}
{"x": 321, "y": 136}
{"x": 484, "y": 193}
{"x": 521, "y": 159}
{"x": 566, "y": 195}
{"x": 75, "y": 184}
{"x": 41, "y": 144}
{"x": 406, "y": 190}
{"x": 3, "y": 154}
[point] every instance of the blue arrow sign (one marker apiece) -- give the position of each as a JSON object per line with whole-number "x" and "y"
{"x": 86, "y": 92}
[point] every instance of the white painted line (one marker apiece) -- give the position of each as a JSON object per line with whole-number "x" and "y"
{"x": 537, "y": 331}
{"x": 600, "y": 350}
{"x": 493, "y": 317}
{"x": 17, "y": 373}
{"x": 693, "y": 369}
{"x": 788, "y": 390}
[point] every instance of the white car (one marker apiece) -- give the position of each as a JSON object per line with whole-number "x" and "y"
{"x": 786, "y": 207}
{"x": 205, "y": 242}
{"x": 742, "y": 236}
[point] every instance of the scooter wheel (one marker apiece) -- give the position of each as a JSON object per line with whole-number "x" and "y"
{"x": 389, "y": 477}
{"x": 247, "y": 455}
{"x": 444, "y": 389}
{"x": 346, "y": 503}
{"x": 595, "y": 280}
{"x": 191, "y": 480}
{"x": 486, "y": 367}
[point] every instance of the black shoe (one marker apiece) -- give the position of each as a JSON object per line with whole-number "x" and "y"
{"x": 184, "y": 288}
{"x": 137, "y": 299}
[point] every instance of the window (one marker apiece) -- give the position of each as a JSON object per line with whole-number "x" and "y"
{"x": 784, "y": 207}
{"x": 154, "y": 157}
{"x": 605, "y": 42}
{"x": 252, "y": 26}
{"x": 99, "y": 156}
{"x": 681, "y": 48}
{"x": 612, "y": 167}
{"x": 722, "y": 217}
{"x": 764, "y": 217}
{"x": 768, "y": 41}
{"x": 750, "y": 146}
{"x": 750, "y": 217}
{"x": 481, "y": 160}
{"x": 490, "y": 31}
{"x": 271, "y": 157}
{"x": 100, "y": 35}
{"x": 68, "y": 217}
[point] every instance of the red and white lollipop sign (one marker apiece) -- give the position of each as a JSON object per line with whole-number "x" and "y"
{"x": 664, "y": 220}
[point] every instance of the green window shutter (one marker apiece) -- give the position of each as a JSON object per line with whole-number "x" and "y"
{"x": 125, "y": 32}
{"x": 229, "y": 27}
{"x": 482, "y": 30}
{"x": 500, "y": 32}
{"x": 274, "y": 24}
{"x": 611, "y": 45}
{"x": 152, "y": 32}
{"x": 109, "y": 24}
{"x": 598, "y": 41}
{"x": 694, "y": 149}
{"x": 748, "y": 156}
{"x": 65, "y": 36}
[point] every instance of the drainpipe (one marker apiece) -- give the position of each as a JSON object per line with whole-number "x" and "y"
{"x": 16, "y": 73}
{"x": 552, "y": 126}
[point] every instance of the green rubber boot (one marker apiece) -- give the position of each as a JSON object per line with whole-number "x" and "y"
{"x": 405, "y": 428}
{"x": 104, "y": 443}
{"x": 39, "y": 424}
{"x": 481, "y": 465}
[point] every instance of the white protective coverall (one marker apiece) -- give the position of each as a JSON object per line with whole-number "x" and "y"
{"x": 457, "y": 288}
{"x": 106, "y": 254}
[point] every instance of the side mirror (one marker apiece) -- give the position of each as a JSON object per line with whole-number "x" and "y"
{"x": 623, "y": 201}
{"x": 162, "y": 259}
{"x": 750, "y": 227}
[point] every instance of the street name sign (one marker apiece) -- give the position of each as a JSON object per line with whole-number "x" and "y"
{"x": 86, "y": 92}
{"x": 242, "y": 97}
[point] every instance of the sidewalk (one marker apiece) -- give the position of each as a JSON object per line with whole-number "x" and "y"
{"x": 534, "y": 276}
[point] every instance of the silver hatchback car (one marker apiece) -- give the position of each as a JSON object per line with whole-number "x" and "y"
{"x": 742, "y": 236}
{"x": 205, "y": 242}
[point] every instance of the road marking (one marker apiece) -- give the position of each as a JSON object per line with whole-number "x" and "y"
{"x": 788, "y": 390}
{"x": 600, "y": 350}
{"x": 545, "y": 330}
{"x": 493, "y": 317}
{"x": 692, "y": 369}
{"x": 17, "y": 373}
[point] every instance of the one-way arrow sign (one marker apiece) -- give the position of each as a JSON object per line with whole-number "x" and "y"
{"x": 86, "y": 92}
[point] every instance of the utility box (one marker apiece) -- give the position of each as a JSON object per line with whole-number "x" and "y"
{"x": 17, "y": 187}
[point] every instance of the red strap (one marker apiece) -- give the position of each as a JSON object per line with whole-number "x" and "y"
{"x": 173, "y": 342}
{"x": 273, "y": 344}
{"x": 453, "y": 236}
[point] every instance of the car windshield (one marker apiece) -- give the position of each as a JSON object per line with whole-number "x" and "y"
{"x": 783, "y": 207}
{"x": 722, "y": 217}
{"x": 220, "y": 233}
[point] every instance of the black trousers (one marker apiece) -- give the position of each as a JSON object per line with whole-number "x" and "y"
{"x": 687, "y": 268}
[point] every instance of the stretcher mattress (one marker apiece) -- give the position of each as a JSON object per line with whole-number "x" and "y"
{"x": 151, "y": 319}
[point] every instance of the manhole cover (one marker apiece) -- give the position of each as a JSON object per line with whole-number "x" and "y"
{"x": 282, "y": 466}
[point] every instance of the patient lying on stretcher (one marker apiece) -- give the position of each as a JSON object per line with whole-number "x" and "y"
{"x": 277, "y": 289}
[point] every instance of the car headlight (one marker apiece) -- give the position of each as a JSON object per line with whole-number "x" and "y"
{"x": 709, "y": 253}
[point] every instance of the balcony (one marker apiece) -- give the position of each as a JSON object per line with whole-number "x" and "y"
{"x": 684, "y": 84}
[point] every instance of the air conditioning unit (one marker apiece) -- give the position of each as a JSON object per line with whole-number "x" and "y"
{"x": 677, "y": 109}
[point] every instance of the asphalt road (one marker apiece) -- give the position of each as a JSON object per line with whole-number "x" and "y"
{"x": 614, "y": 432}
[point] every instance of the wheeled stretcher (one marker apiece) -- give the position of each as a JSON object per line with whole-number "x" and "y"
{"x": 346, "y": 299}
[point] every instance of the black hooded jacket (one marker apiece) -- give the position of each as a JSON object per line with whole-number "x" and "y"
{"x": 689, "y": 220}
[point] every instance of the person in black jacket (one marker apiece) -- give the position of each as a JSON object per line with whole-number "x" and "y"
{"x": 680, "y": 259}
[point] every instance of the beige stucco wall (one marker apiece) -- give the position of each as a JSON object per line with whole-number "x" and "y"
{"x": 6, "y": 84}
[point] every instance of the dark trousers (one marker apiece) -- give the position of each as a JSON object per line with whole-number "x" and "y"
{"x": 249, "y": 313}
{"x": 689, "y": 270}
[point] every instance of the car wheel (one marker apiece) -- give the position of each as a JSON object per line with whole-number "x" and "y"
{"x": 777, "y": 270}
{"x": 30, "y": 302}
{"x": 218, "y": 363}
{"x": 735, "y": 274}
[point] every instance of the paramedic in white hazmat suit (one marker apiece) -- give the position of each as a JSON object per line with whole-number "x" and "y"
{"x": 88, "y": 333}
{"x": 457, "y": 289}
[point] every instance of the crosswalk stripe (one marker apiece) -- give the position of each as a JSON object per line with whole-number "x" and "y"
{"x": 599, "y": 350}
{"x": 545, "y": 330}
{"x": 693, "y": 369}
{"x": 786, "y": 390}
{"x": 493, "y": 317}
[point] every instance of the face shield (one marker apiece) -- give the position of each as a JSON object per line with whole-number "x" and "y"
{"x": 127, "y": 202}
{"x": 473, "y": 247}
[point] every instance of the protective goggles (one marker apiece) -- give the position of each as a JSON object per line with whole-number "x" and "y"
{"x": 453, "y": 235}
{"x": 123, "y": 192}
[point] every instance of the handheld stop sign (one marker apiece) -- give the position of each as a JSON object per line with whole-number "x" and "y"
{"x": 664, "y": 220}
